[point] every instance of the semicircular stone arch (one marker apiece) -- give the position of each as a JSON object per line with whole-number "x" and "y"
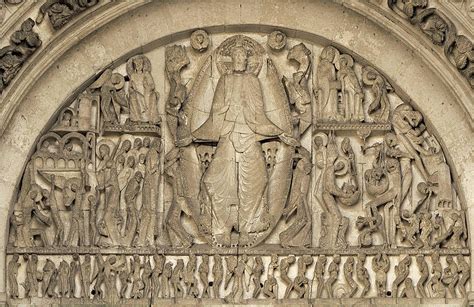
{"x": 169, "y": 160}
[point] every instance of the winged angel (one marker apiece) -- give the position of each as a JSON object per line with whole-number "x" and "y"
{"x": 237, "y": 201}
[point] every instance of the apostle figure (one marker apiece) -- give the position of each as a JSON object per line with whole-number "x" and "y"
{"x": 151, "y": 185}
{"x": 327, "y": 86}
{"x": 351, "y": 90}
{"x": 142, "y": 94}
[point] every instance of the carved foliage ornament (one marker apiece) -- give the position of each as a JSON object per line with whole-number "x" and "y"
{"x": 441, "y": 31}
{"x": 23, "y": 43}
{"x": 60, "y": 12}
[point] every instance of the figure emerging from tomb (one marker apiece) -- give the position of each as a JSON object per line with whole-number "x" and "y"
{"x": 381, "y": 265}
{"x": 257, "y": 272}
{"x": 33, "y": 276}
{"x": 362, "y": 274}
{"x": 159, "y": 261}
{"x": 348, "y": 270}
{"x": 301, "y": 282}
{"x": 217, "y": 274}
{"x": 204, "y": 276}
{"x": 402, "y": 269}
{"x": 319, "y": 270}
{"x": 190, "y": 280}
{"x": 12, "y": 275}
{"x": 50, "y": 274}
{"x": 465, "y": 274}
{"x": 424, "y": 274}
{"x": 176, "y": 277}
{"x": 236, "y": 178}
{"x": 333, "y": 275}
{"x": 451, "y": 275}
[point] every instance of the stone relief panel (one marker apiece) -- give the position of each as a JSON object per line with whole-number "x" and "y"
{"x": 237, "y": 167}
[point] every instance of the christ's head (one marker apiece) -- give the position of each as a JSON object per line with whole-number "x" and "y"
{"x": 239, "y": 59}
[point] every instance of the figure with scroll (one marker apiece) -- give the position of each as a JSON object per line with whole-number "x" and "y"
{"x": 236, "y": 178}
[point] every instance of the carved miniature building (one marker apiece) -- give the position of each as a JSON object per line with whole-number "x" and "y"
{"x": 182, "y": 155}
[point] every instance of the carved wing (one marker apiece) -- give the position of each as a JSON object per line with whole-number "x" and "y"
{"x": 198, "y": 104}
{"x": 104, "y": 78}
{"x": 277, "y": 107}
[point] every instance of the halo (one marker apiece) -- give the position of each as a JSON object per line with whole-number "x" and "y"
{"x": 254, "y": 50}
{"x": 199, "y": 46}
{"x": 107, "y": 142}
{"x": 323, "y": 136}
{"x": 275, "y": 44}
{"x": 348, "y": 58}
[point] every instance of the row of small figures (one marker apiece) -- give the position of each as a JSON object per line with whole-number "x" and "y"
{"x": 140, "y": 280}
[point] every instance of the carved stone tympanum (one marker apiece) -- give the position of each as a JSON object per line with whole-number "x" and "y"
{"x": 258, "y": 167}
